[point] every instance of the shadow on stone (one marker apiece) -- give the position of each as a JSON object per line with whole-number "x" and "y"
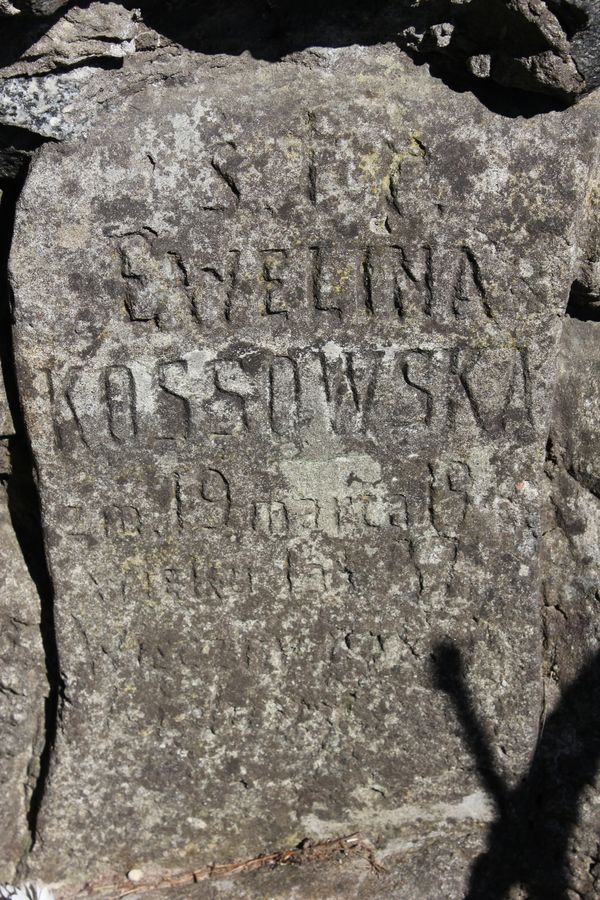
{"x": 583, "y": 304}
{"x": 19, "y": 33}
{"x": 529, "y": 839}
{"x": 504, "y": 101}
{"x": 272, "y": 30}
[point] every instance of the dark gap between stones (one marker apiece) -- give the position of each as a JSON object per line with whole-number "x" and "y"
{"x": 582, "y": 305}
{"x": 24, "y": 505}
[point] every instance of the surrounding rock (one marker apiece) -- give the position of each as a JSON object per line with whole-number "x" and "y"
{"x": 288, "y": 394}
{"x": 23, "y": 686}
{"x": 548, "y": 47}
{"x": 66, "y": 75}
{"x": 16, "y": 147}
{"x": 6, "y": 422}
{"x": 585, "y": 43}
{"x": 83, "y": 36}
{"x": 571, "y": 568}
{"x": 52, "y": 86}
{"x": 42, "y": 8}
{"x": 49, "y": 89}
{"x": 41, "y": 105}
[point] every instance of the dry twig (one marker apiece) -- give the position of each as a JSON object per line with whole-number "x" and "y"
{"x": 306, "y": 851}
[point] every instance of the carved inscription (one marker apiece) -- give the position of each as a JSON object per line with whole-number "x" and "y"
{"x": 421, "y": 534}
{"x": 338, "y": 391}
{"x": 326, "y": 283}
{"x": 207, "y": 499}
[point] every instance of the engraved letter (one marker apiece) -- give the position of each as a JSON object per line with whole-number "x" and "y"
{"x": 121, "y": 403}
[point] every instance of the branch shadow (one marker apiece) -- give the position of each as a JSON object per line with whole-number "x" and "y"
{"x": 529, "y": 839}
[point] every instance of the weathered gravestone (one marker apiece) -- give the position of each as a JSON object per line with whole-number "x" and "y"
{"x": 286, "y": 350}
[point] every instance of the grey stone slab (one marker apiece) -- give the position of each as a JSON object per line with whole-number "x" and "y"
{"x": 286, "y": 360}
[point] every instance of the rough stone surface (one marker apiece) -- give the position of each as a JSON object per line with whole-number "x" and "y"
{"x": 6, "y": 422}
{"x": 24, "y": 685}
{"x": 585, "y": 43}
{"x": 416, "y": 865}
{"x": 67, "y": 74}
{"x": 53, "y": 76}
{"x": 287, "y": 359}
{"x": 571, "y": 567}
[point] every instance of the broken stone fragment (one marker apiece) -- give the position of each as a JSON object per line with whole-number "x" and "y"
{"x": 49, "y": 89}
{"x": 480, "y": 65}
{"x": 42, "y": 104}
